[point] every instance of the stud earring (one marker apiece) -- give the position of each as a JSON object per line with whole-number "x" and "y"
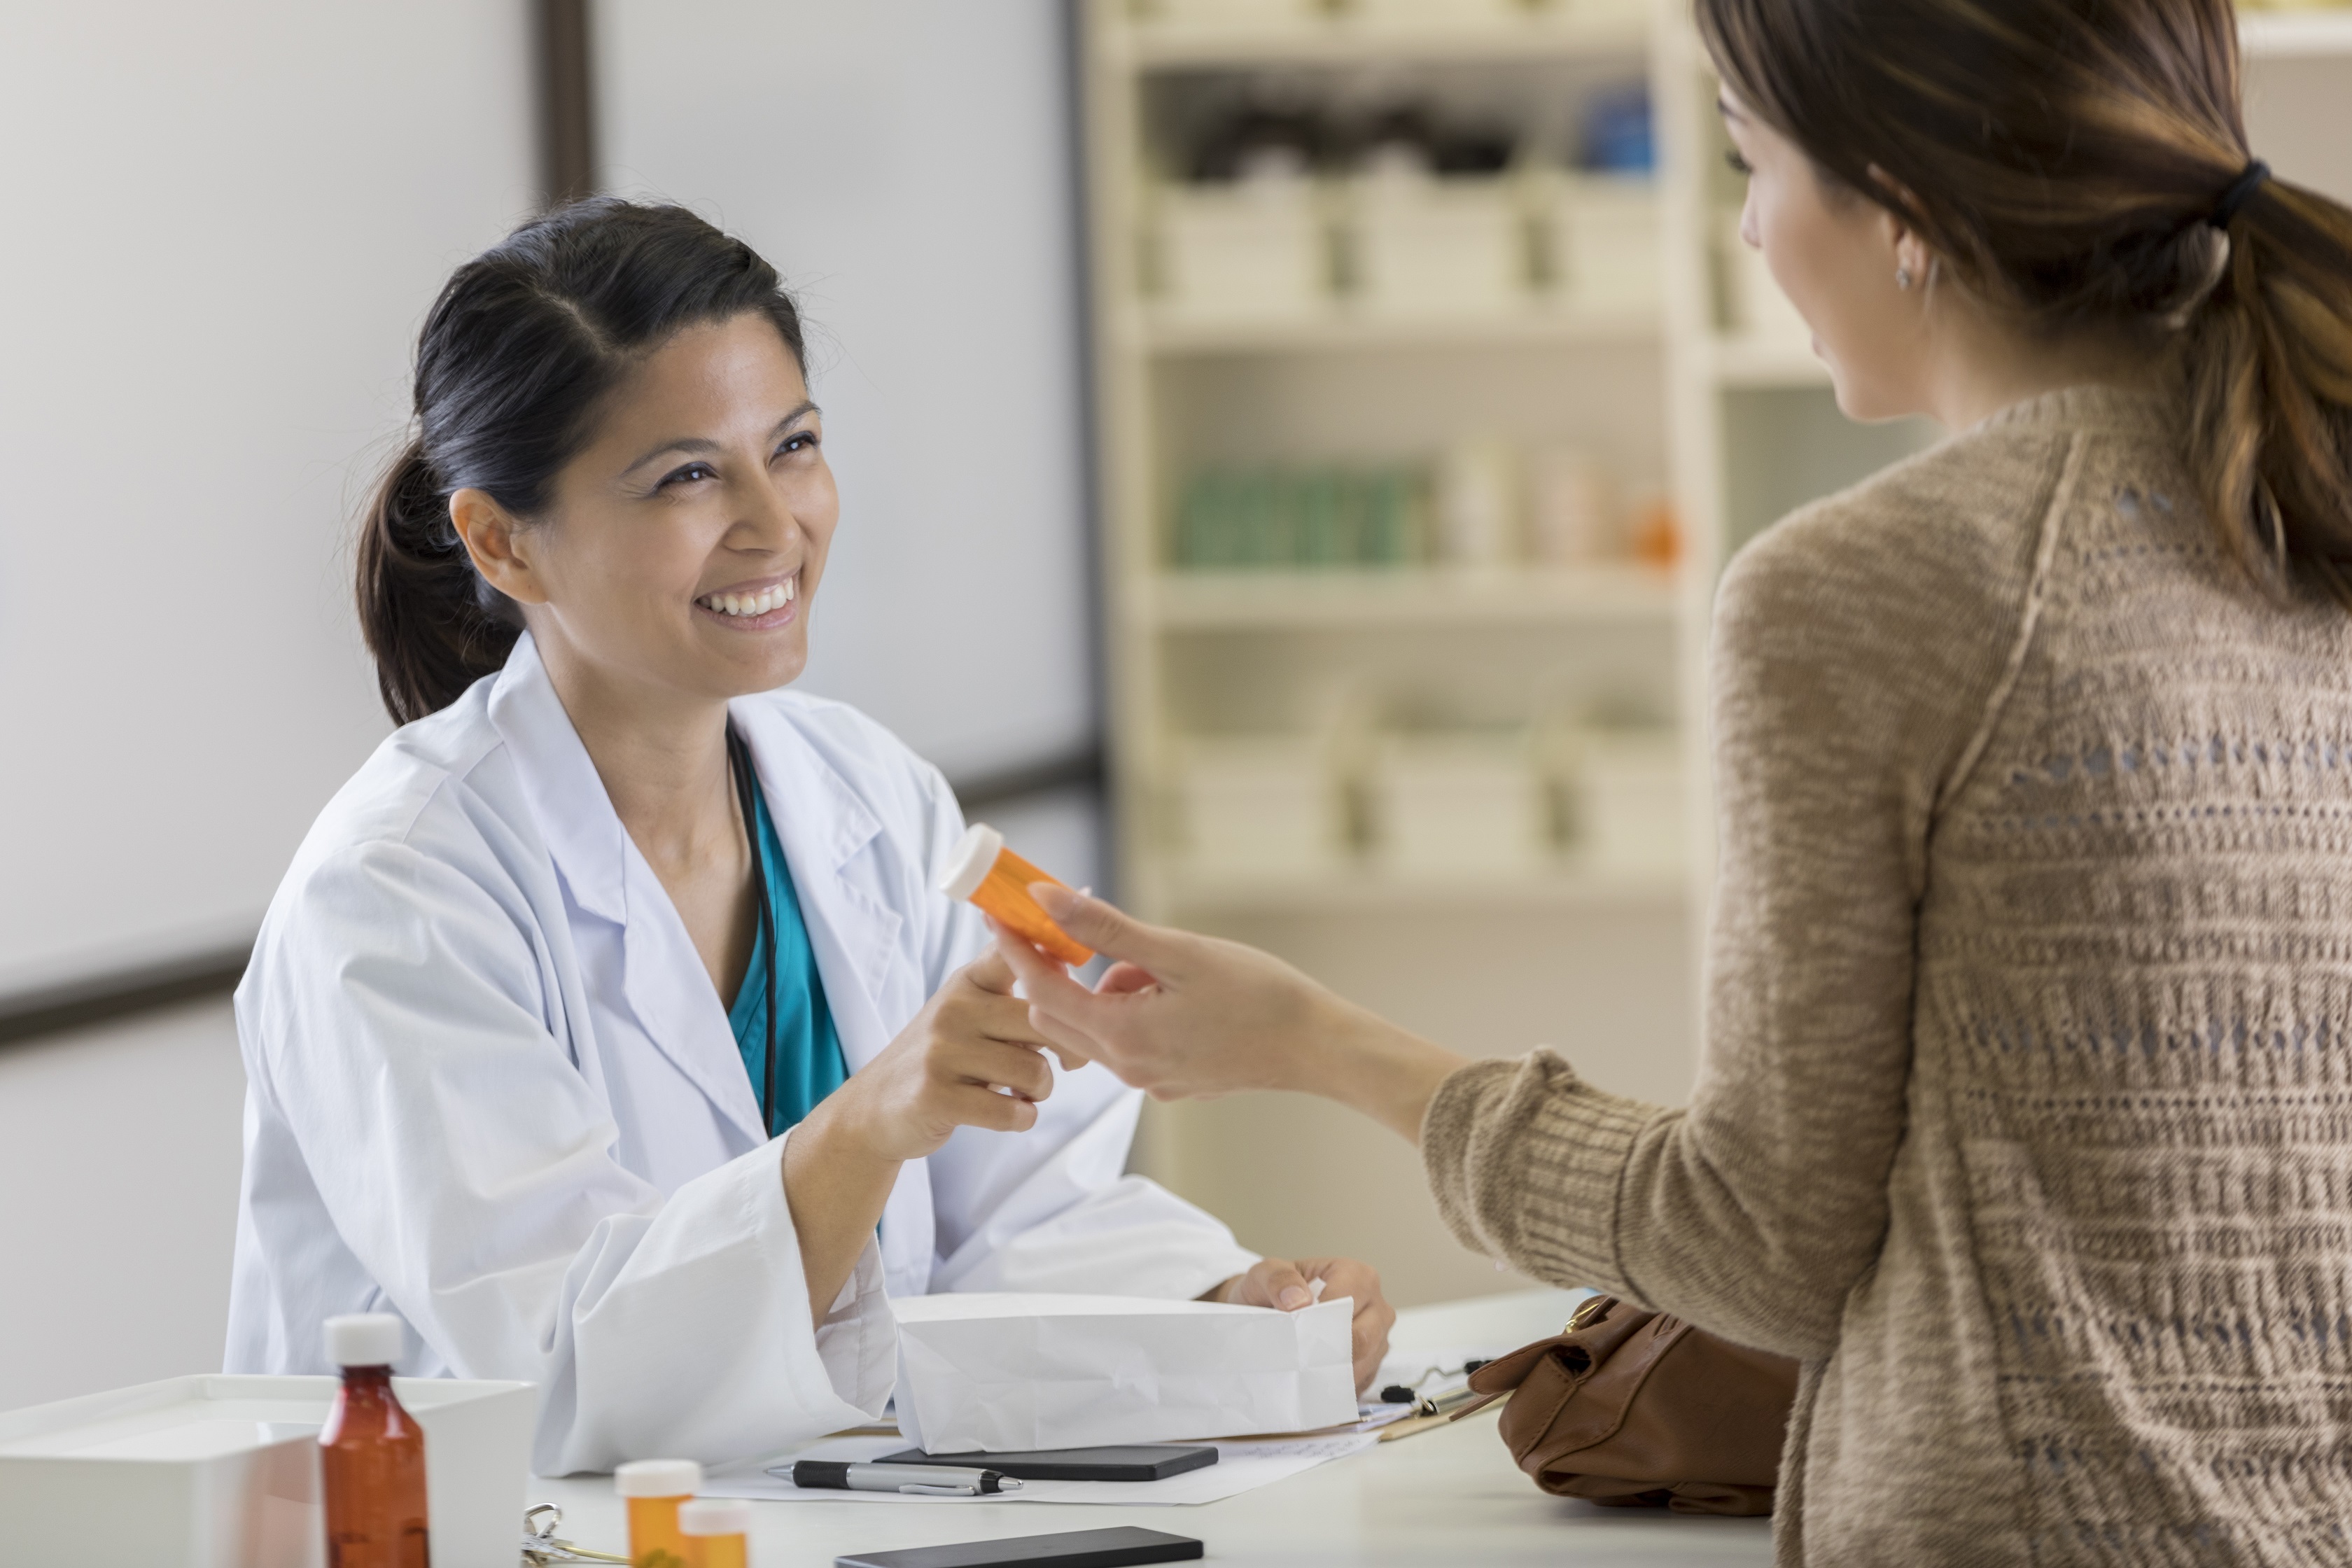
{"x": 1903, "y": 278}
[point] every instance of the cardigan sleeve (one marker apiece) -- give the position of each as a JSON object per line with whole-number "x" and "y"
{"x": 1861, "y": 649}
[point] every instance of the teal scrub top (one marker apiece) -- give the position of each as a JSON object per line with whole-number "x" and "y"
{"x": 809, "y": 1064}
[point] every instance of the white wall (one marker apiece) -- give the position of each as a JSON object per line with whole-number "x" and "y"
{"x": 907, "y": 165}
{"x": 226, "y": 223}
{"x": 120, "y": 1152}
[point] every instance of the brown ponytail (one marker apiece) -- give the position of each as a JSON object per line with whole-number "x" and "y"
{"x": 2269, "y": 377}
{"x": 2066, "y": 158}
{"x": 433, "y": 623}
{"x": 516, "y": 355}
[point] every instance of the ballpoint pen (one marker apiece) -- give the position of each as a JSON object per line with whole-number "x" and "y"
{"x": 923, "y": 1481}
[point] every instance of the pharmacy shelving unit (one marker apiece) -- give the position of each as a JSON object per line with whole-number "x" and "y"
{"x": 1711, "y": 396}
{"x": 1592, "y": 952}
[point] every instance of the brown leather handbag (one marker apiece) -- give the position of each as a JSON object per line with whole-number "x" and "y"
{"x": 1638, "y": 1409}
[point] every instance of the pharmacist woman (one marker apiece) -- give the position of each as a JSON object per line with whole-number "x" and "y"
{"x": 607, "y": 1027}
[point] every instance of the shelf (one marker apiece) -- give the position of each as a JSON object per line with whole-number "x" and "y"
{"x": 1342, "y": 331}
{"x": 2295, "y": 34}
{"x": 1150, "y": 47}
{"x": 1764, "y": 364}
{"x": 1293, "y": 600}
{"x": 1369, "y": 890}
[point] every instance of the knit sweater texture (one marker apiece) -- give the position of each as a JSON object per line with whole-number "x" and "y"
{"x": 2024, "y": 1117}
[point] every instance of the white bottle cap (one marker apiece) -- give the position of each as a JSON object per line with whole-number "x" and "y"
{"x": 975, "y": 852}
{"x": 658, "y": 1477}
{"x": 364, "y": 1339}
{"x": 714, "y": 1516}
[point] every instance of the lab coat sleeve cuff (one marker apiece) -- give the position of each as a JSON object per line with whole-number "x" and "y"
{"x": 858, "y": 1339}
{"x": 700, "y": 1344}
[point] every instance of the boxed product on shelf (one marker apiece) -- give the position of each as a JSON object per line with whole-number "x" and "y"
{"x": 1624, "y": 790}
{"x": 1573, "y": 517}
{"x": 1261, "y": 807}
{"x": 1601, "y": 242}
{"x": 1247, "y": 250}
{"x": 1437, "y": 247}
{"x": 1479, "y": 495}
{"x": 1231, "y": 519}
{"x": 1754, "y": 307}
{"x": 1466, "y": 803}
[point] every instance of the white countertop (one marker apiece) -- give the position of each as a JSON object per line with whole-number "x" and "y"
{"x": 1446, "y": 1496}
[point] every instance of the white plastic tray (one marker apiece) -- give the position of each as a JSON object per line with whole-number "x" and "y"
{"x": 219, "y": 1471}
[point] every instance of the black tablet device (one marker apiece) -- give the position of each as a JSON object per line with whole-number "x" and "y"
{"x": 1134, "y": 1462}
{"x": 1069, "y": 1549}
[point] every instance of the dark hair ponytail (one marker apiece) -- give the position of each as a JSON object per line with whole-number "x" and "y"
{"x": 514, "y": 361}
{"x": 2083, "y": 164}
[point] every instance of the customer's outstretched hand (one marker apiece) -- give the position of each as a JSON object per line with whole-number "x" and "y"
{"x": 1177, "y": 1015}
{"x": 1182, "y": 1015}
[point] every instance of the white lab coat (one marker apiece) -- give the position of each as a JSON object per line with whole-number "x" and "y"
{"x": 492, "y": 1090}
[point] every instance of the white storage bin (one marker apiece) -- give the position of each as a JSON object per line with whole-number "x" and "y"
{"x": 1597, "y": 12}
{"x": 1262, "y": 807}
{"x": 1625, "y": 788}
{"x": 1176, "y": 16}
{"x": 1438, "y": 248}
{"x": 1459, "y": 805}
{"x": 1758, "y": 310}
{"x": 1253, "y": 251}
{"x": 220, "y": 1471}
{"x": 1603, "y": 243}
{"x": 1435, "y": 15}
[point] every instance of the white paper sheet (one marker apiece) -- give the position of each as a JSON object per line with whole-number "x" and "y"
{"x": 1241, "y": 1467}
{"x": 1017, "y": 1371}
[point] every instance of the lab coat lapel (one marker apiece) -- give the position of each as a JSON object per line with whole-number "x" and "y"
{"x": 825, "y": 826}
{"x": 827, "y": 831}
{"x": 667, "y": 989}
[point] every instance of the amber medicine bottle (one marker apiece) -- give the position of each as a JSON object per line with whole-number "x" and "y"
{"x": 372, "y": 1453}
{"x": 717, "y": 1532}
{"x": 656, "y": 1489}
{"x": 984, "y": 871}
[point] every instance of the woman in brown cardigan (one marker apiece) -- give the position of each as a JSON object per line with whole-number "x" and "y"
{"x": 2025, "y": 1115}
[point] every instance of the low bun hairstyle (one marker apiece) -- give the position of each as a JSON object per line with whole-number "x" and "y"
{"x": 514, "y": 362}
{"x": 2083, "y": 165}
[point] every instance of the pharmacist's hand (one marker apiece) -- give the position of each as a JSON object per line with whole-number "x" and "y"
{"x": 1287, "y": 1283}
{"x": 1178, "y": 1014}
{"x": 945, "y": 1070}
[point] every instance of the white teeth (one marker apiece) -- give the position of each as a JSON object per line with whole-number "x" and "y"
{"x": 749, "y": 605}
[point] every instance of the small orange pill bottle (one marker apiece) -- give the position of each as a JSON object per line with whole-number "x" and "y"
{"x": 718, "y": 1533}
{"x": 984, "y": 871}
{"x": 657, "y": 1488}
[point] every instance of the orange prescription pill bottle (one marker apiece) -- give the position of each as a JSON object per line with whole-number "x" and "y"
{"x": 992, "y": 877}
{"x": 656, "y": 1489}
{"x": 718, "y": 1533}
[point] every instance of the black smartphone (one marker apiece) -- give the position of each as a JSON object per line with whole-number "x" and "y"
{"x": 1069, "y": 1549}
{"x": 1131, "y": 1462}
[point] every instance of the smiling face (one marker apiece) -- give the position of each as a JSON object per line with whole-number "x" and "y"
{"x": 1836, "y": 255}
{"x": 683, "y": 544}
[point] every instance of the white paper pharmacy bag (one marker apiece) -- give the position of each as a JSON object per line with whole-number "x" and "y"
{"x": 1007, "y": 1372}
